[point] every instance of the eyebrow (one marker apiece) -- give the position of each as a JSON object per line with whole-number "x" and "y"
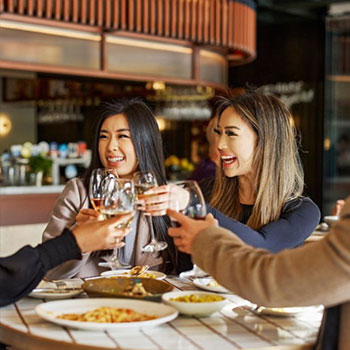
{"x": 229, "y": 127}
{"x": 232, "y": 127}
{"x": 118, "y": 130}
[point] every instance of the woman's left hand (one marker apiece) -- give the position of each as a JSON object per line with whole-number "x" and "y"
{"x": 185, "y": 234}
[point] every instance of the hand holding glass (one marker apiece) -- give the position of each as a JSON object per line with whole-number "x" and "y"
{"x": 187, "y": 198}
{"x": 118, "y": 200}
{"x": 96, "y": 185}
{"x": 143, "y": 182}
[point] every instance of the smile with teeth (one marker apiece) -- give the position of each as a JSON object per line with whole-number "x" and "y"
{"x": 228, "y": 159}
{"x": 115, "y": 159}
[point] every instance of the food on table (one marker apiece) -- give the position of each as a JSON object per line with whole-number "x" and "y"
{"x": 108, "y": 314}
{"x": 198, "y": 298}
{"x": 144, "y": 275}
{"x": 138, "y": 270}
{"x": 213, "y": 283}
{"x": 136, "y": 290}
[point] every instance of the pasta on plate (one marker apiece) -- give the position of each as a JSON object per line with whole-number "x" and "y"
{"x": 108, "y": 314}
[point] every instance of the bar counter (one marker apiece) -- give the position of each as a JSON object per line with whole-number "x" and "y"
{"x": 21, "y": 205}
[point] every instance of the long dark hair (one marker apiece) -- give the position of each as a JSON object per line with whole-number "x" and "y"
{"x": 148, "y": 146}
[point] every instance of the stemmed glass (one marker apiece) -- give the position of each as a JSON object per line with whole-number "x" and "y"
{"x": 118, "y": 199}
{"x": 97, "y": 182}
{"x": 194, "y": 207}
{"x": 145, "y": 180}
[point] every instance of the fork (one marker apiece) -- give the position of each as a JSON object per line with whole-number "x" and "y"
{"x": 60, "y": 284}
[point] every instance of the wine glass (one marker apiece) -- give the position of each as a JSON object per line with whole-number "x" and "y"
{"x": 97, "y": 182}
{"x": 118, "y": 199}
{"x": 191, "y": 204}
{"x": 145, "y": 180}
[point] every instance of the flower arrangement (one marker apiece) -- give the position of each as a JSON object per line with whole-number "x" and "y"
{"x": 178, "y": 169}
{"x": 41, "y": 168}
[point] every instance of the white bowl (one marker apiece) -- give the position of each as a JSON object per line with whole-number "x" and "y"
{"x": 330, "y": 220}
{"x": 192, "y": 308}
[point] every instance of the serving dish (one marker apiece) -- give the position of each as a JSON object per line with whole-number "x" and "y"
{"x": 286, "y": 311}
{"x": 117, "y": 287}
{"x": 49, "y": 290}
{"x": 50, "y": 310}
{"x": 199, "y": 309}
{"x": 208, "y": 283}
{"x": 126, "y": 273}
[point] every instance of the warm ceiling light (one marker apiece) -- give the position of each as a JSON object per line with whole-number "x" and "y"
{"x": 158, "y": 85}
{"x": 327, "y": 144}
{"x": 148, "y": 44}
{"x": 5, "y": 124}
{"x": 50, "y": 30}
{"x": 161, "y": 123}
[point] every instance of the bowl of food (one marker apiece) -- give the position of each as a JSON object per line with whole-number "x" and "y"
{"x": 127, "y": 287}
{"x": 194, "y": 303}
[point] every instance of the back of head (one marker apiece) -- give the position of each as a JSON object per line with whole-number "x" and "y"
{"x": 276, "y": 164}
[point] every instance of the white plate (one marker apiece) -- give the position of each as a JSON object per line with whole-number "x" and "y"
{"x": 62, "y": 294}
{"x": 203, "y": 284}
{"x": 192, "y": 308}
{"x": 49, "y": 311}
{"x": 286, "y": 311}
{"x": 126, "y": 273}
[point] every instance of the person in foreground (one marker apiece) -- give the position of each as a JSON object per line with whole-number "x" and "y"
{"x": 258, "y": 189}
{"x": 315, "y": 273}
{"x": 21, "y": 272}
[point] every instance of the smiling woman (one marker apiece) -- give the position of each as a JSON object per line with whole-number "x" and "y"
{"x": 127, "y": 139}
{"x": 115, "y": 146}
{"x": 258, "y": 188}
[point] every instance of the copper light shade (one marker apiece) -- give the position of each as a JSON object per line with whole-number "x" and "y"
{"x": 202, "y": 34}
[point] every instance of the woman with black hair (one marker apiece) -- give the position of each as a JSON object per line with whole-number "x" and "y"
{"x": 127, "y": 140}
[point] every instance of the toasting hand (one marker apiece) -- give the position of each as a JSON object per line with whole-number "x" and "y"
{"x": 185, "y": 234}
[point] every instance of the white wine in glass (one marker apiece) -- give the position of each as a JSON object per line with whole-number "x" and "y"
{"x": 144, "y": 181}
{"x": 194, "y": 208}
{"x": 97, "y": 182}
{"x": 118, "y": 199}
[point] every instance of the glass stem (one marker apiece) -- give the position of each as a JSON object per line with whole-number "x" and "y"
{"x": 116, "y": 254}
{"x": 150, "y": 224}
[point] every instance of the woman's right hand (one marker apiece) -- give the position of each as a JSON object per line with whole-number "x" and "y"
{"x": 100, "y": 235}
{"x": 85, "y": 215}
{"x": 158, "y": 200}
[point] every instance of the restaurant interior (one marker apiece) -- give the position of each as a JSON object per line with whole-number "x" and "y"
{"x": 60, "y": 60}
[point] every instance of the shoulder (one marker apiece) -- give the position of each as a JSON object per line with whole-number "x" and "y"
{"x": 74, "y": 186}
{"x": 301, "y": 204}
{"x": 74, "y": 192}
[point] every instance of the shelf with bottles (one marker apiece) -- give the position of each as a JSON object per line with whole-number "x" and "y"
{"x": 69, "y": 163}
{"x": 39, "y": 164}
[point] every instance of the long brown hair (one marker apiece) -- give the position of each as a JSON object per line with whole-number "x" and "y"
{"x": 279, "y": 174}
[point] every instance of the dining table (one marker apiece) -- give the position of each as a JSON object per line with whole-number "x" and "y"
{"x": 238, "y": 325}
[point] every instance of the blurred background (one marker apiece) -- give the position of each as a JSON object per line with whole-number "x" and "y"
{"x": 60, "y": 59}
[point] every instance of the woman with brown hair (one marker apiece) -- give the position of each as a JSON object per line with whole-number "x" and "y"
{"x": 257, "y": 193}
